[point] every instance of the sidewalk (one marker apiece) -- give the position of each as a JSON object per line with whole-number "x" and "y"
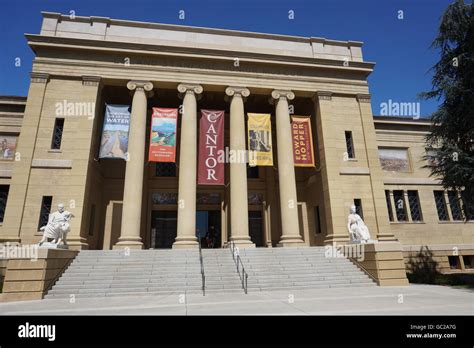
{"x": 411, "y": 300}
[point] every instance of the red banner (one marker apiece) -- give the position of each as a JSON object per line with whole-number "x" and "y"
{"x": 302, "y": 141}
{"x": 211, "y": 146}
{"x": 163, "y": 135}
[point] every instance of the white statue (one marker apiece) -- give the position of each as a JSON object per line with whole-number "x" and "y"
{"x": 58, "y": 227}
{"x": 357, "y": 229}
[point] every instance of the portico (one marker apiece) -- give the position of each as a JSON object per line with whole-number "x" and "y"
{"x": 236, "y": 223}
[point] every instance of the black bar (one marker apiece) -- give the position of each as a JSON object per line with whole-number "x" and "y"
{"x": 209, "y": 330}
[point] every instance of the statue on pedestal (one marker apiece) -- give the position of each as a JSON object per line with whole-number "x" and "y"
{"x": 57, "y": 228}
{"x": 357, "y": 229}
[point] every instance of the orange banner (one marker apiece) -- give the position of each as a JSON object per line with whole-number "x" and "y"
{"x": 163, "y": 135}
{"x": 303, "y": 154}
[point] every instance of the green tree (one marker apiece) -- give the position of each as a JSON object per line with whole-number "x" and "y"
{"x": 451, "y": 137}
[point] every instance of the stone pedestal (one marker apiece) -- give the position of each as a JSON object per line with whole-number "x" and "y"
{"x": 30, "y": 279}
{"x": 383, "y": 261}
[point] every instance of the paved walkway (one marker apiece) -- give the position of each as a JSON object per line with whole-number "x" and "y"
{"x": 410, "y": 300}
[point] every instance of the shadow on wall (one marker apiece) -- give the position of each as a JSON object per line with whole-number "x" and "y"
{"x": 423, "y": 269}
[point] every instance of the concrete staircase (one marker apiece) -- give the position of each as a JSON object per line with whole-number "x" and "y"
{"x": 306, "y": 267}
{"x": 96, "y": 273}
{"x": 114, "y": 273}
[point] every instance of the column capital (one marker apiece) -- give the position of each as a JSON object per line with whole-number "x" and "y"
{"x": 140, "y": 85}
{"x": 235, "y": 90}
{"x": 37, "y": 77}
{"x": 192, "y": 88}
{"x": 280, "y": 93}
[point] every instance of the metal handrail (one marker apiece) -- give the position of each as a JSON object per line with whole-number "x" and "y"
{"x": 203, "y": 276}
{"x": 236, "y": 257}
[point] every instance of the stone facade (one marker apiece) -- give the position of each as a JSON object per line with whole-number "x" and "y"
{"x": 91, "y": 61}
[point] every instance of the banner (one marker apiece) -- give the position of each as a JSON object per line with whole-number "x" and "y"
{"x": 114, "y": 142}
{"x": 163, "y": 135}
{"x": 303, "y": 154}
{"x": 260, "y": 140}
{"x": 211, "y": 144}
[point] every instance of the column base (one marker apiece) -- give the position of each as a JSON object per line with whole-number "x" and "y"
{"x": 129, "y": 242}
{"x": 291, "y": 241}
{"x": 242, "y": 241}
{"x": 185, "y": 243}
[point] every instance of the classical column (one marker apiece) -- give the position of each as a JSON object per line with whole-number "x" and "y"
{"x": 133, "y": 187}
{"x": 290, "y": 235}
{"x": 186, "y": 236}
{"x": 239, "y": 214}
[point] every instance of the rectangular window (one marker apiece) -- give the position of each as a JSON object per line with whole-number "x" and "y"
{"x": 358, "y": 205}
{"x": 317, "y": 219}
{"x": 441, "y": 205}
{"x": 92, "y": 220}
{"x": 455, "y": 205}
{"x": 252, "y": 172}
{"x": 57, "y": 134}
{"x": 3, "y": 200}
{"x": 400, "y": 205}
{"x": 389, "y": 205}
{"x": 454, "y": 262}
{"x": 45, "y": 211}
{"x": 468, "y": 210}
{"x": 349, "y": 144}
{"x": 415, "y": 208}
{"x": 467, "y": 261}
{"x": 165, "y": 169}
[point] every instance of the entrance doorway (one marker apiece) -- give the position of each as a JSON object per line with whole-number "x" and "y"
{"x": 208, "y": 228}
{"x": 256, "y": 228}
{"x": 164, "y": 224}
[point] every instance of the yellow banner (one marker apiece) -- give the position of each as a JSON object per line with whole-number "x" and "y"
{"x": 260, "y": 140}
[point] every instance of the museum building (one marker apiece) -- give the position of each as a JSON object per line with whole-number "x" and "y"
{"x": 52, "y": 142}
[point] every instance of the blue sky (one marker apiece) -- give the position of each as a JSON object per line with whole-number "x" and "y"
{"x": 400, "y": 47}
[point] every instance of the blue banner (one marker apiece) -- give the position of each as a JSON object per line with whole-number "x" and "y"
{"x": 114, "y": 143}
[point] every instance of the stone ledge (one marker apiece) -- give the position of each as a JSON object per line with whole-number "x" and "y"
{"x": 51, "y": 163}
{"x": 354, "y": 171}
